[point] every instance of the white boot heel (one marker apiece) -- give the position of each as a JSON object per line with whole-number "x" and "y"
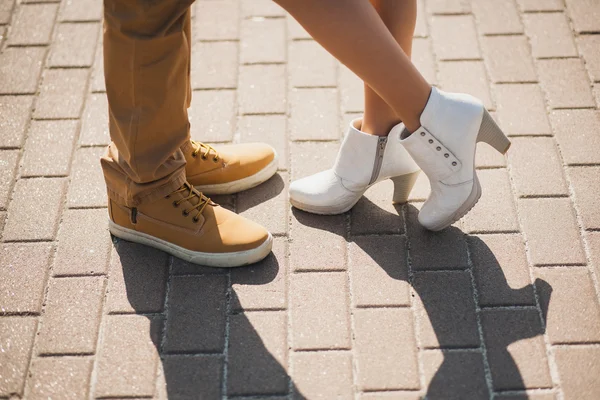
{"x": 490, "y": 133}
{"x": 403, "y": 185}
{"x": 362, "y": 161}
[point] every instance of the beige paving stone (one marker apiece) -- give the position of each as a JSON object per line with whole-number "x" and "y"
{"x": 8, "y": 161}
{"x": 188, "y": 376}
{"x": 454, "y": 37}
{"x": 74, "y": 45}
{"x": 295, "y": 31}
{"x": 585, "y": 15}
{"x": 468, "y": 77}
{"x": 48, "y": 148}
{"x": 94, "y": 128}
{"x": 456, "y": 375}
{"x": 16, "y": 338}
{"x": 528, "y": 396}
{"x": 262, "y": 286}
{"x": 214, "y": 65}
{"x": 497, "y": 18}
{"x": 61, "y": 94}
{"x": 310, "y": 65}
{"x": 127, "y": 357}
{"x": 588, "y": 46}
{"x": 313, "y": 114}
{"x": 593, "y": 242}
{"x": 212, "y": 115}
{"x": 596, "y": 91}
{"x": 565, "y": 83}
{"x": 351, "y": 91}
{"x": 584, "y": 180}
{"x": 547, "y": 222}
{"x": 262, "y": 89}
{"x": 501, "y": 276}
{"x": 33, "y": 24}
{"x": 536, "y": 167}
{"x": 575, "y": 132}
{"x": 445, "y": 309}
{"x": 309, "y": 157}
{"x": 20, "y": 69}
{"x": 570, "y": 304}
{"x": 379, "y": 271}
{"x": 60, "y": 377}
{"x": 495, "y": 211}
{"x": 217, "y": 20}
{"x": 448, "y": 7}
{"x": 80, "y": 10}
{"x": 421, "y": 28}
{"x": 422, "y": 57}
{"x": 257, "y": 354}
{"x": 267, "y": 203}
{"x": 26, "y": 221}
{"x": 6, "y": 8}
{"x": 508, "y": 58}
{"x": 375, "y": 212}
{"x": 14, "y": 117}
{"x": 541, "y": 5}
{"x": 550, "y": 35}
{"x": 137, "y": 279}
{"x": 83, "y": 243}
{"x": 261, "y": 8}
{"x": 488, "y": 157}
{"x": 395, "y": 395}
{"x": 317, "y": 242}
{"x": 87, "y": 187}
{"x": 385, "y": 349}
{"x": 521, "y": 109}
{"x": 319, "y": 311}
{"x": 72, "y": 316}
{"x": 323, "y": 375}
{"x": 97, "y": 83}
{"x": 255, "y": 33}
{"x": 269, "y": 129}
{"x": 579, "y": 367}
{"x": 515, "y": 348}
{"x": 24, "y": 269}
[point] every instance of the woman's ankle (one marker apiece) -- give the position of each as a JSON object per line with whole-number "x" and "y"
{"x": 378, "y": 127}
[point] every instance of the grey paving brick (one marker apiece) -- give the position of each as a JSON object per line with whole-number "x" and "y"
{"x": 319, "y": 311}
{"x": 257, "y": 356}
{"x": 488, "y": 157}
{"x": 422, "y": 57}
{"x": 26, "y": 221}
{"x": 468, "y": 77}
{"x": 585, "y": 15}
{"x": 127, "y": 357}
{"x": 576, "y": 134}
{"x": 212, "y": 115}
{"x": 326, "y": 375}
{"x": 501, "y": 276}
{"x": 14, "y": 117}
{"x": 455, "y": 375}
{"x": 508, "y": 59}
{"x": 496, "y": 18}
{"x": 74, "y": 45}
{"x": 547, "y": 222}
{"x": 515, "y": 348}
{"x": 60, "y": 377}
{"x": 311, "y": 65}
{"x": 138, "y": 279}
{"x": 267, "y": 203}
{"x": 550, "y": 35}
{"x": 262, "y": 285}
{"x": 97, "y": 83}
{"x": 6, "y": 9}
{"x": 33, "y": 24}
{"x": 87, "y": 187}
{"x": 583, "y": 179}
{"x": 214, "y": 65}
{"x": 588, "y": 46}
{"x": 8, "y": 160}
{"x": 572, "y": 315}
{"x": 269, "y": 129}
{"x": 351, "y": 91}
{"x": 72, "y": 316}
{"x": 536, "y": 167}
{"x": 81, "y": 10}
{"x": 188, "y": 376}
{"x": 379, "y": 270}
{"x": 61, "y": 93}
{"x": 196, "y": 314}
{"x": 24, "y": 269}
{"x": 579, "y": 367}
{"x": 217, "y": 20}
{"x": 48, "y": 148}
{"x": 261, "y": 8}
{"x": 94, "y": 128}
{"x": 20, "y": 69}
{"x": 295, "y": 30}
{"x": 396, "y": 395}
{"x": 541, "y": 5}
{"x": 565, "y": 83}
{"x": 537, "y": 395}
{"x": 375, "y": 212}
{"x": 16, "y": 338}
{"x": 258, "y": 31}
{"x": 262, "y": 89}
{"x": 521, "y": 109}
{"x": 495, "y": 211}
{"x": 421, "y": 28}
{"x": 593, "y": 241}
{"x": 385, "y": 349}
{"x": 445, "y": 309}
{"x": 448, "y": 7}
{"x": 454, "y": 37}
{"x": 314, "y": 114}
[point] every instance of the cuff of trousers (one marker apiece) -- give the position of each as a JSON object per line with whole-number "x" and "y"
{"x": 152, "y": 194}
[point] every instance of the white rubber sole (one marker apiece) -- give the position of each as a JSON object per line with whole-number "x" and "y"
{"x": 242, "y": 184}
{"x": 218, "y": 260}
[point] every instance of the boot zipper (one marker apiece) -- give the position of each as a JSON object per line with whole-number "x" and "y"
{"x": 378, "y": 158}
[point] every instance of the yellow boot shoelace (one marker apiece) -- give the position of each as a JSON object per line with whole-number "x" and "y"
{"x": 203, "y": 201}
{"x": 204, "y": 150}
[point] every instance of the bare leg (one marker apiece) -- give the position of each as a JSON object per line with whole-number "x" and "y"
{"x": 354, "y": 33}
{"x": 400, "y": 18}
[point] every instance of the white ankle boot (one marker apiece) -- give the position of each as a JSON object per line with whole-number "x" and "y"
{"x": 362, "y": 161}
{"x": 444, "y": 147}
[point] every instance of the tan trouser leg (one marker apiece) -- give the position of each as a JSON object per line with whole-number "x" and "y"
{"x": 147, "y": 47}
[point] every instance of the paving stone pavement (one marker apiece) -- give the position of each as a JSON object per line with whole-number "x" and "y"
{"x": 366, "y": 305}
